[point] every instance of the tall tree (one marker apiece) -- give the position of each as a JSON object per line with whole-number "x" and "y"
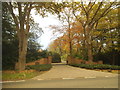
{"x": 88, "y": 14}
{"x": 9, "y": 41}
{"x": 22, "y": 26}
{"x": 66, "y": 16}
{"x": 21, "y": 14}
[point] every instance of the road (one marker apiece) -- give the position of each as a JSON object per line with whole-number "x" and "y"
{"x": 64, "y": 76}
{"x": 102, "y": 82}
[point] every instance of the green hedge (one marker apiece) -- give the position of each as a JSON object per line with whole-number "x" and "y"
{"x": 109, "y": 57}
{"x": 56, "y": 58}
{"x": 43, "y": 67}
{"x": 97, "y": 66}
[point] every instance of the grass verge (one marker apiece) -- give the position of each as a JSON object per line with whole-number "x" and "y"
{"x": 15, "y": 75}
{"x": 32, "y": 71}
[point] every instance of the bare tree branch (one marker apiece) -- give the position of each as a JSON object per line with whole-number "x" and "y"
{"x": 79, "y": 19}
{"x": 21, "y": 20}
{"x": 28, "y": 18}
{"x": 104, "y": 13}
{"x": 10, "y": 7}
{"x": 25, "y": 11}
{"x": 96, "y": 12}
{"x": 84, "y": 9}
{"x": 91, "y": 7}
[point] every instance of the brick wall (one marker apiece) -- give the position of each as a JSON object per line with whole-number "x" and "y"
{"x": 72, "y": 60}
{"x": 41, "y": 61}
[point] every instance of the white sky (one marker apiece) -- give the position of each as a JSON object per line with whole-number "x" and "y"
{"x": 44, "y": 23}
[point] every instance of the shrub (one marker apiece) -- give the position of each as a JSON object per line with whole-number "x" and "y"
{"x": 43, "y": 67}
{"x": 75, "y": 65}
{"x": 108, "y": 57}
{"x": 56, "y": 58}
{"x": 97, "y": 66}
{"x": 77, "y": 55}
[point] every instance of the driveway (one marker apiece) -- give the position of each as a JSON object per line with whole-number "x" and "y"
{"x": 63, "y": 71}
{"x": 64, "y": 76}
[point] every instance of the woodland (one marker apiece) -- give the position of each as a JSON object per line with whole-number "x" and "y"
{"x": 90, "y": 32}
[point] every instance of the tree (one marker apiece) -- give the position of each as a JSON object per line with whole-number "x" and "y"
{"x": 20, "y": 12}
{"x": 9, "y": 41}
{"x": 22, "y": 26}
{"x": 89, "y": 15}
{"x": 98, "y": 29}
{"x": 65, "y": 16}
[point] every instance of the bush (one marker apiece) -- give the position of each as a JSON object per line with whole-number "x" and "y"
{"x": 97, "y": 66}
{"x": 56, "y": 58}
{"x": 78, "y": 56}
{"x": 109, "y": 57}
{"x": 43, "y": 67}
{"x": 75, "y": 65}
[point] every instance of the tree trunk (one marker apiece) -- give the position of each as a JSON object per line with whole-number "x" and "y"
{"x": 90, "y": 55}
{"x": 70, "y": 42}
{"x": 89, "y": 44}
{"x": 70, "y": 48}
{"x": 22, "y": 51}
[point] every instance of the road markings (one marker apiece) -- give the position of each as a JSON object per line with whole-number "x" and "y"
{"x": 106, "y": 76}
{"x": 110, "y": 76}
{"x": 68, "y": 78}
{"x": 89, "y": 77}
{"x": 12, "y": 81}
{"x": 40, "y": 79}
{"x": 20, "y": 81}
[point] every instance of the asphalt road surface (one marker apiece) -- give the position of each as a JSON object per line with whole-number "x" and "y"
{"x": 64, "y": 76}
{"x": 101, "y": 82}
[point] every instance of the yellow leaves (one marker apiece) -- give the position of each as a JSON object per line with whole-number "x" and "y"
{"x": 96, "y": 33}
{"x": 109, "y": 21}
{"x": 66, "y": 47}
{"x": 117, "y": 48}
{"x": 73, "y": 35}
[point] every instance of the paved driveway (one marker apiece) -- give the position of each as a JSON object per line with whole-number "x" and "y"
{"x": 64, "y": 76}
{"x": 63, "y": 71}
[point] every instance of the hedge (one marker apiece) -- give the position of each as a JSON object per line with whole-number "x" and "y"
{"x": 43, "y": 67}
{"x": 56, "y": 58}
{"x": 97, "y": 66}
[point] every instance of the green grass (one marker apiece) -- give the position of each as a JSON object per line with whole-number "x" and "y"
{"x": 19, "y": 76}
{"x": 27, "y": 74}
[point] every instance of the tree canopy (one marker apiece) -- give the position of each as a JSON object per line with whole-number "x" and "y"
{"x": 93, "y": 28}
{"x": 89, "y": 29}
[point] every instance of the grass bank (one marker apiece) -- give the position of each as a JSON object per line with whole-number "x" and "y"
{"x": 30, "y": 72}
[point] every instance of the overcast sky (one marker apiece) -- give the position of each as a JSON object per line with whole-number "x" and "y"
{"x": 44, "y": 23}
